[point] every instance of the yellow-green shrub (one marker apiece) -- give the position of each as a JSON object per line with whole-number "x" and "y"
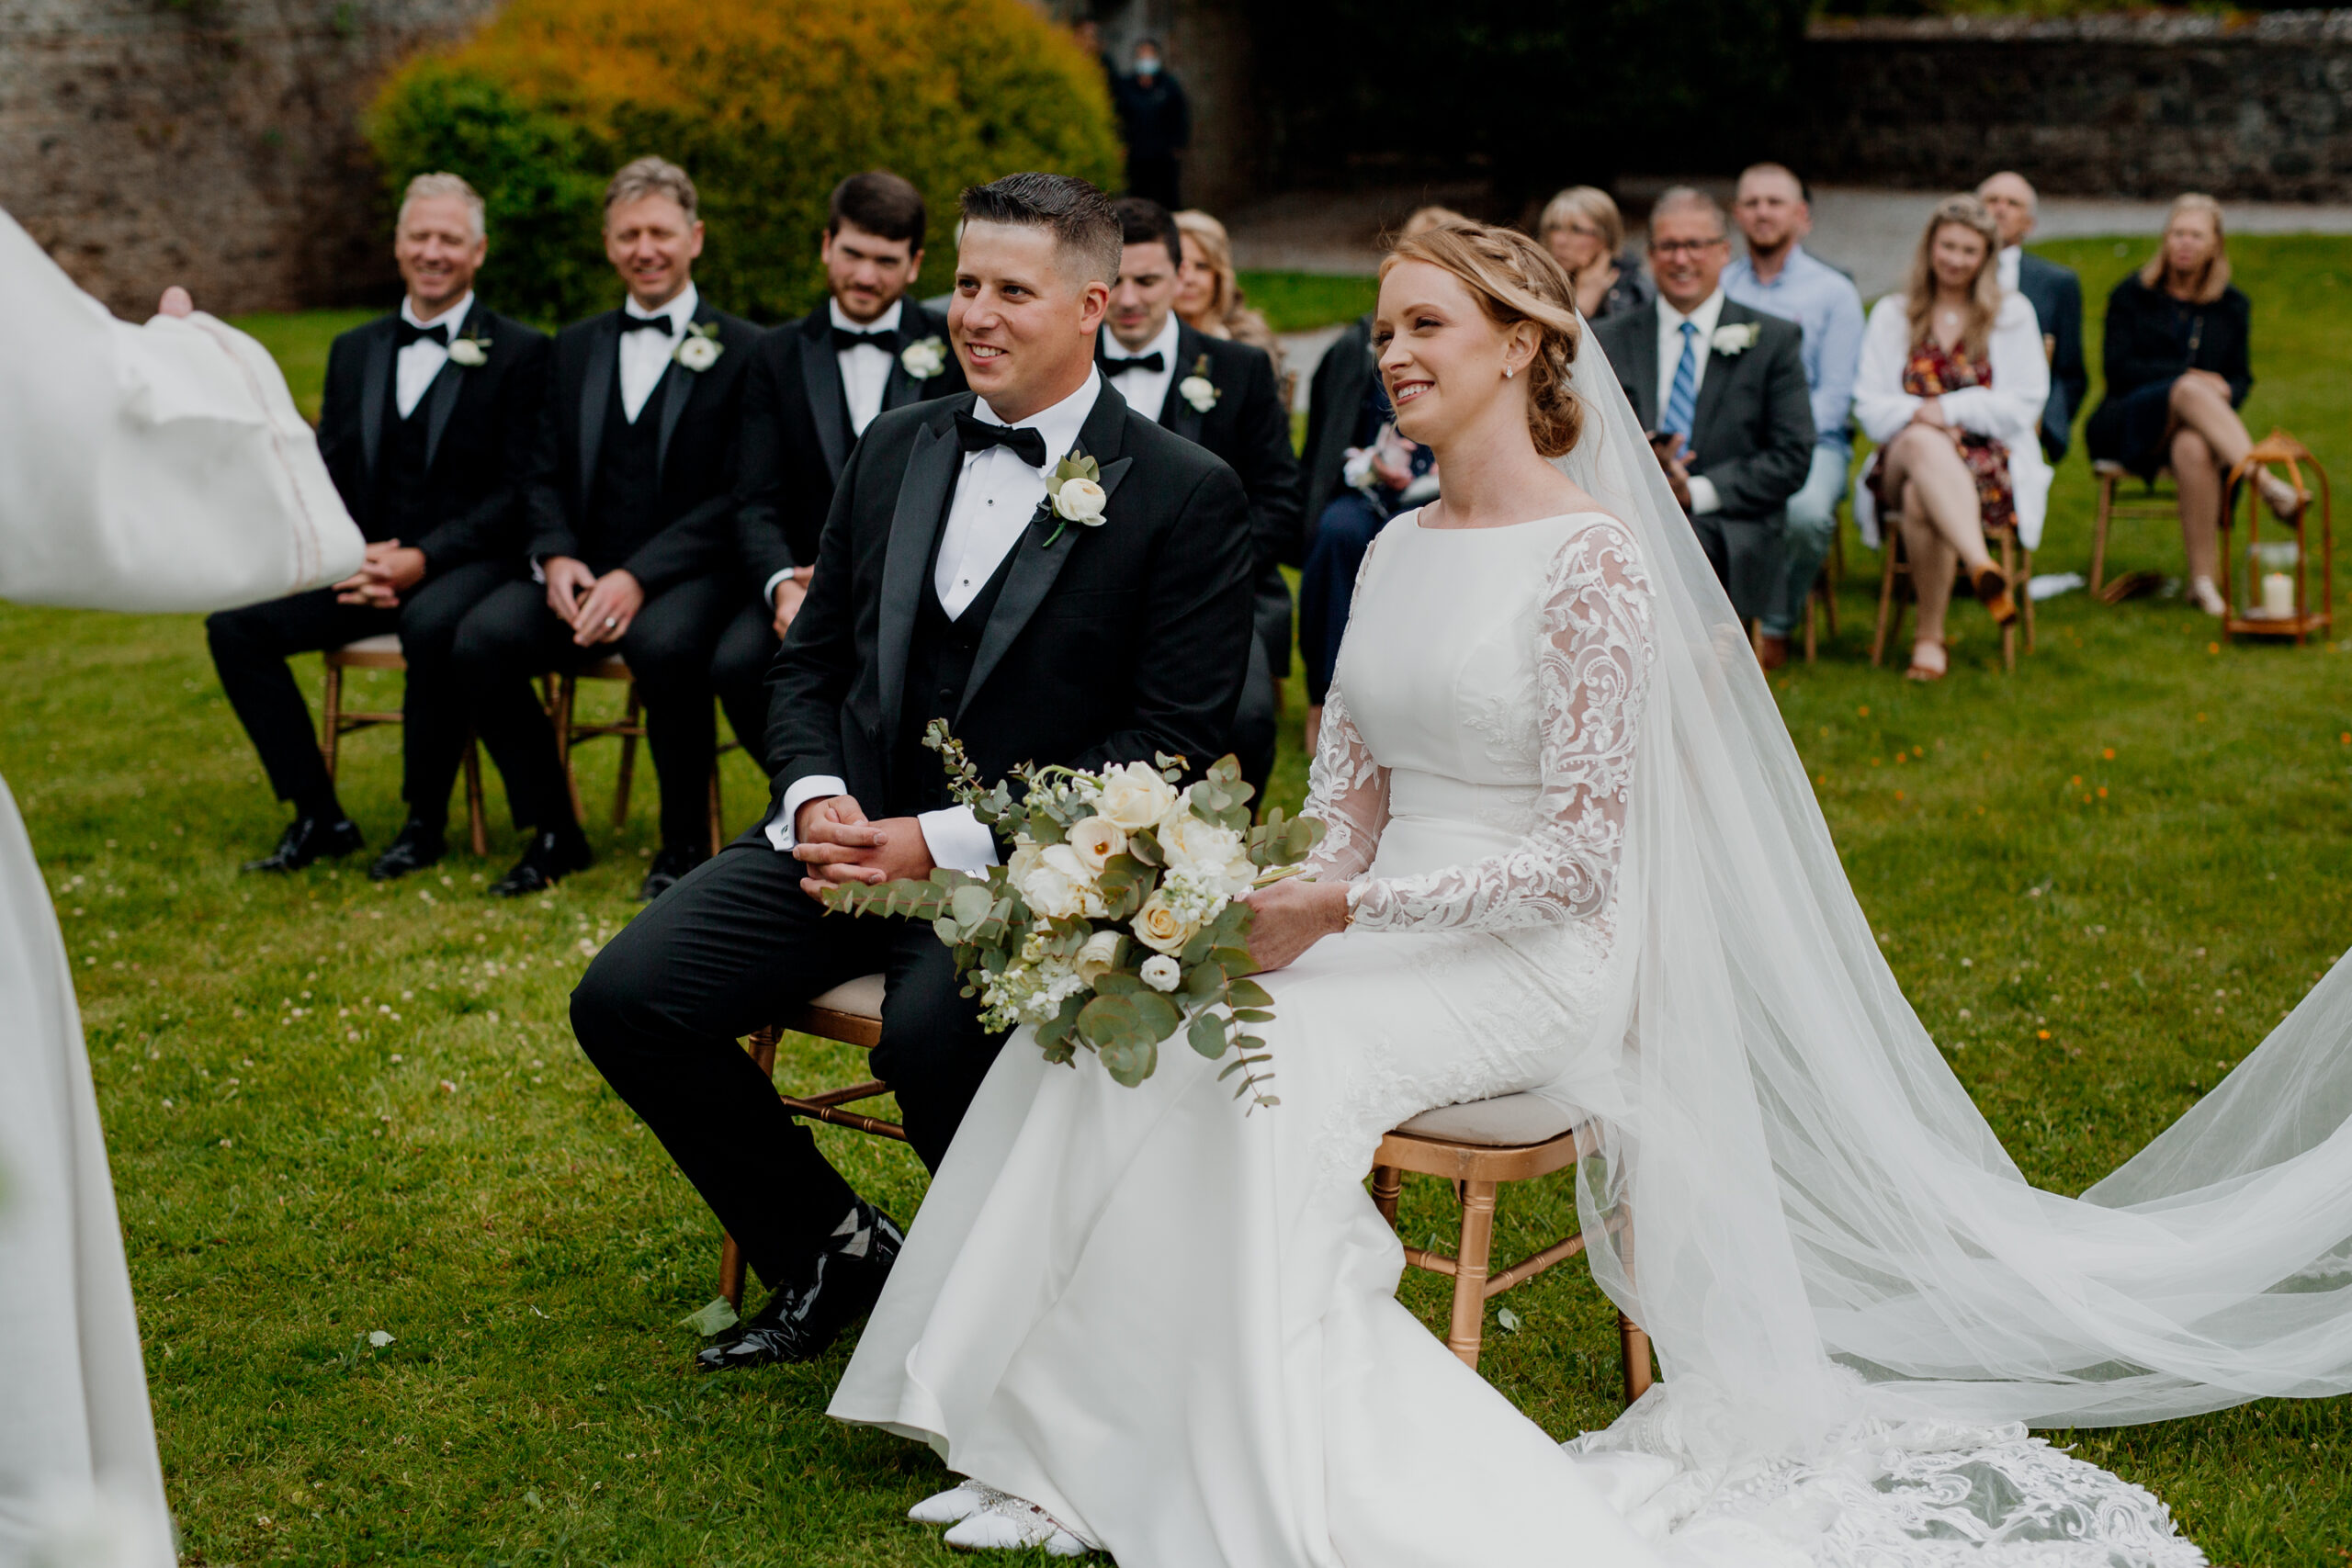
{"x": 766, "y": 103}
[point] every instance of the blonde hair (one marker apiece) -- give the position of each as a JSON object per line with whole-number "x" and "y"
{"x": 2216, "y": 276}
{"x": 1593, "y": 205}
{"x": 641, "y": 177}
{"x": 1229, "y": 315}
{"x": 1422, "y": 219}
{"x": 1984, "y": 297}
{"x": 1515, "y": 280}
{"x": 424, "y": 188}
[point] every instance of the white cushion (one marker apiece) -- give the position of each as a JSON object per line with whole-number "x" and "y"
{"x": 1505, "y": 1122}
{"x": 387, "y": 643}
{"x": 860, "y": 998}
{"x": 2107, "y": 468}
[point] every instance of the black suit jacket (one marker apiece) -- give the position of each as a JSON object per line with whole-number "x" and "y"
{"x": 1106, "y": 645}
{"x": 1751, "y": 434}
{"x": 2056, "y": 295}
{"x": 795, "y": 432}
{"x": 1334, "y": 398}
{"x": 700, "y": 413}
{"x": 482, "y": 434}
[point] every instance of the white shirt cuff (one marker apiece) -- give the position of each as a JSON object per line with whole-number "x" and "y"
{"x": 957, "y": 839}
{"x": 814, "y": 787}
{"x": 767, "y": 594}
{"x": 1704, "y": 498}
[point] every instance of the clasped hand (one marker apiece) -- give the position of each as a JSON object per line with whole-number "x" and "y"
{"x": 597, "y": 609}
{"x": 790, "y": 594}
{"x": 1677, "y": 463}
{"x": 832, "y": 838}
{"x": 1291, "y": 915}
{"x": 389, "y": 570}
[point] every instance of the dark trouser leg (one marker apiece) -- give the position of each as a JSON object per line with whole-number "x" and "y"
{"x": 502, "y": 641}
{"x": 669, "y": 649}
{"x": 740, "y": 670}
{"x": 934, "y": 1053}
{"x": 1326, "y": 586}
{"x": 250, "y": 648}
{"x": 662, "y": 1008}
{"x": 1746, "y": 557}
{"x": 434, "y": 714}
{"x": 1254, "y": 724}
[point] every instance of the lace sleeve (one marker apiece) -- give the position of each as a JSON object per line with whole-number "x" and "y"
{"x": 1345, "y": 787}
{"x": 1592, "y": 679}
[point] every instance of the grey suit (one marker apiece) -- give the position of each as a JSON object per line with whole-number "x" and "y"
{"x": 1751, "y": 437}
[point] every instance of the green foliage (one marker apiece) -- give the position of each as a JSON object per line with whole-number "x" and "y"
{"x": 766, "y": 103}
{"x": 1301, "y": 301}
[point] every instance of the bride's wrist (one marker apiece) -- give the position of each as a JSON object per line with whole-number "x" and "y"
{"x": 1342, "y": 912}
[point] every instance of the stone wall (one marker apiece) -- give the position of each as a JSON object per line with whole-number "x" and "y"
{"x": 2252, "y": 109}
{"x": 210, "y": 142}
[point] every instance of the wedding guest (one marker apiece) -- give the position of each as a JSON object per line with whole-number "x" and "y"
{"x": 1779, "y": 277}
{"x": 2056, "y": 295}
{"x": 810, "y": 391}
{"x": 1208, "y": 289}
{"x": 429, "y": 428}
{"x": 1585, "y": 234}
{"x": 1222, "y": 395}
{"x": 1155, "y": 123}
{"x": 1950, "y": 389}
{"x": 2176, "y": 373}
{"x": 630, "y": 535}
{"x": 1721, "y": 390}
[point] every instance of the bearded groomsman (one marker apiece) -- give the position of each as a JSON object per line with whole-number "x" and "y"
{"x": 429, "y": 428}
{"x": 808, "y": 393}
{"x": 1224, "y": 396}
{"x": 630, "y": 536}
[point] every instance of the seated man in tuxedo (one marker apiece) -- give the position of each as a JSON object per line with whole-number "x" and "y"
{"x": 943, "y": 590}
{"x": 629, "y": 535}
{"x": 1222, "y": 395}
{"x": 430, "y": 430}
{"x": 1721, "y": 389}
{"x": 809, "y": 393}
{"x": 2056, "y": 295}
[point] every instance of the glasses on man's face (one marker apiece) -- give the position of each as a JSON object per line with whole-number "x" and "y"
{"x": 1686, "y": 247}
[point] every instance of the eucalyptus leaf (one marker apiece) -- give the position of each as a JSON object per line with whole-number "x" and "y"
{"x": 1108, "y": 1020}
{"x": 1247, "y": 994}
{"x": 1207, "y": 1036}
{"x": 1159, "y": 1016}
{"x": 716, "y": 1318}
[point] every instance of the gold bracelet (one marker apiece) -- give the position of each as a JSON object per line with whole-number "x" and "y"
{"x": 1347, "y": 910}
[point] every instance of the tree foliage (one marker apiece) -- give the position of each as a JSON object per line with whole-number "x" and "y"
{"x": 766, "y": 103}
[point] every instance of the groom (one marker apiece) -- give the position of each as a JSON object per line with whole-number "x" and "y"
{"x": 943, "y": 588}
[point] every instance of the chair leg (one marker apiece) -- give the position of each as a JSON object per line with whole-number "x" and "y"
{"x": 1834, "y": 574}
{"x": 717, "y": 818}
{"x": 633, "y": 717}
{"x": 330, "y": 718}
{"x": 1387, "y": 1184}
{"x": 2099, "y": 534}
{"x": 2010, "y": 632}
{"x": 730, "y": 1272}
{"x": 2026, "y": 608}
{"x": 1469, "y": 1324}
{"x": 1812, "y": 604}
{"x": 477, "y": 818}
{"x": 1887, "y": 608}
{"x": 566, "y": 691}
{"x": 1635, "y": 1346}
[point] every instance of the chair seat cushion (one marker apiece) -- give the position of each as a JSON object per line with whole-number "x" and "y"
{"x": 387, "y": 643}
{"x": 860, "y": 998}
{"x": 1504, "y": 1121}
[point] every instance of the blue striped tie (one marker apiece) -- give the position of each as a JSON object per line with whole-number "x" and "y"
{"x": 1682, "y": 403}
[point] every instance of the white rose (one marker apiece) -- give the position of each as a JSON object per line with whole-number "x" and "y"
{"x": 1098, "y": 957}
{"x": 1162, "y": 973}
{"x": 466, "y": 353}
{"x": 925, "y": 359}
{"x": 1080, "y": 500}
{"x": 1135, "y": 796}
{"x": 1733, "y": 339}
{"x": 1199, "y": 391}
{"x": 1157, "y": 927}
{"x": 1096, "y": 840}
{"x": 1023, "y": 861}
{"x": 1203, "y": 852}
{"x": 698, "y": 354}
{"x": 1063, "y": 861}
{"x": 1055, "y": 891}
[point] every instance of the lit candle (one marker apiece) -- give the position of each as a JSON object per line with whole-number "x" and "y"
{"x": 2278, "y": 595}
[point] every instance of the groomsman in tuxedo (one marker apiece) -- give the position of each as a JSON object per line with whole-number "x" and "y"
{"x": 630, "y": 536}
{"x": 1720, "y": 390}
{"x": 429, "y": 428}
{"x": 2056, "y": 295}
{"x": 808, "y": 393}
{"x": 945, "y": 588}
{"x": 1224, "y": 396}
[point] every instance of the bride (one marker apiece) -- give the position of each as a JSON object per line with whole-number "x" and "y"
{"x": 1572, "y": 852}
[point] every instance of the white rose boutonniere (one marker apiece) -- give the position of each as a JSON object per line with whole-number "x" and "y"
{"x": 700, "y": 349}
{"x": 1737, "y": 338}
{"x": 470, "y": 351}
{"x": 1074, "y": 494}
{"x": 925, "y": 359}
{"x": 1198, "y": 389}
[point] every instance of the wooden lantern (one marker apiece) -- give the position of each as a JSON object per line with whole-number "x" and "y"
{"x": 2280, "y": 572}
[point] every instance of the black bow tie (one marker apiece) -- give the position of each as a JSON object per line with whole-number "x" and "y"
{"x": 978, "y": 436}
{"x": 405, "y": 332}
{"x": 658, "y": 323}
{"x": 844, "y": 338}
{"x": 1154, "y": 362}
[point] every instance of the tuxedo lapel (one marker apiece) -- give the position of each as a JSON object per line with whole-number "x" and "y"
{"x": 604, "y": 353}
{"x": 375, "y": 386}
{"x": 678, "y": 385}
{"x": 821, "y": 374}
{"x": 1720, "y": 368}
{"x": 1175, "y": 413}
{"x": 898, "y": 388}
{"x": 1643, "y": 371}
{"x": 932, "y": 464}
{"x": 441, "y": 397}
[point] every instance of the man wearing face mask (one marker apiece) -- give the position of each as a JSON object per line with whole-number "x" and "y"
{"x": 1156, "y": 122}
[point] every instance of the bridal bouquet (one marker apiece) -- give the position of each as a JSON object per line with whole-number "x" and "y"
{"x": 1115, "y": 920}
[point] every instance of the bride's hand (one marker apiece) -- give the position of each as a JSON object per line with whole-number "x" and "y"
{"x": 1293, "y": 916}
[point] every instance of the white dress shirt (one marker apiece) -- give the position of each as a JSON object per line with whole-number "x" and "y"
{"x": 2007, "y": 262}
{"x": 997, "y": 494}
{"x": 646, "y": 355}
{"x": 1670, "y": 358}
{"x": 414, "y": 367}
{"x": 1146, "y": 391}
{"x": 865, "y": 369}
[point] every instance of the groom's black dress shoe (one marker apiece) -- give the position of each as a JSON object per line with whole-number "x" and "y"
{"x": 418, "y": 846}
{"x": 308, "y": 838}
{"x": 799, "y": 1322}
{"x": 668, "y": 866}
{"x": 553, "y": 855}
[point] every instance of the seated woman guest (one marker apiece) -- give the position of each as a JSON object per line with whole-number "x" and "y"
{"x": 1583, "y": 229}
{"x": 1951, "y": 388}
{"x": 2175, "y": 376}
{"x": 1208, "y": 291}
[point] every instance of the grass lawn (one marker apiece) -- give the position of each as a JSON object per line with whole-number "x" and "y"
{"x": 337, "y": 1108}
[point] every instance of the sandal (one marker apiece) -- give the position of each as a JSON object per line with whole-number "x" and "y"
{"x": 1921, "y": 670}
{"x": 1993, "y": 592}
{"x": 2285, "y": 500}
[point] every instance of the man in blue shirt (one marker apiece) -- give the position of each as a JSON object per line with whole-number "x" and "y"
{"x": 1778, "y": 278}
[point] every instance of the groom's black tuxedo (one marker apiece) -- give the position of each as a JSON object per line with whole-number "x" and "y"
{"x": 1088, "y": 645}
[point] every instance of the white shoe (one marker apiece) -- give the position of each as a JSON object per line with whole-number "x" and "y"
{"x": 2285, "y": 500}
{"x": 954, "y": 1505}
{"x": 1008, "y": 1524}
{"x": 2207, "y": 597}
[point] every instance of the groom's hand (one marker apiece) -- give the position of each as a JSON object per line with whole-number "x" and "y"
{"x": 832, "y": 838}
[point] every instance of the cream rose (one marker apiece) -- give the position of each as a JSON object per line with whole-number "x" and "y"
{"x": 1161, "y": 973}
{"x": 1056, "y": 885}
{"x": 1098, "y": 957}
{"x": 698, "y": 354}
{"x": 1080, "y": 500}
{"x": 1204, "y": 853}
{"x": 1135, "y": 796}
{"x": 1096, "y": 840}
{"x": 466, "y": 353}
{"x": 1157, "y": 927}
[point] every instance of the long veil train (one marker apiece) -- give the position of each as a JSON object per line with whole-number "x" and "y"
{"x": 1825, "y": 1236}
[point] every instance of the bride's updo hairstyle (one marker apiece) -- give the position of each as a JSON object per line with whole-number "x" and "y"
{"x": 1514, "y": 279}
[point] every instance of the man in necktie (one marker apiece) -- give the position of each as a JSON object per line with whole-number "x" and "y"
{"x": 630, "y": 536}
{"x": 812, "y": 388}
{"x": 1721, "y": 389}
{"x": 944, "y": 590}
{"x": 430, "y": 430}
